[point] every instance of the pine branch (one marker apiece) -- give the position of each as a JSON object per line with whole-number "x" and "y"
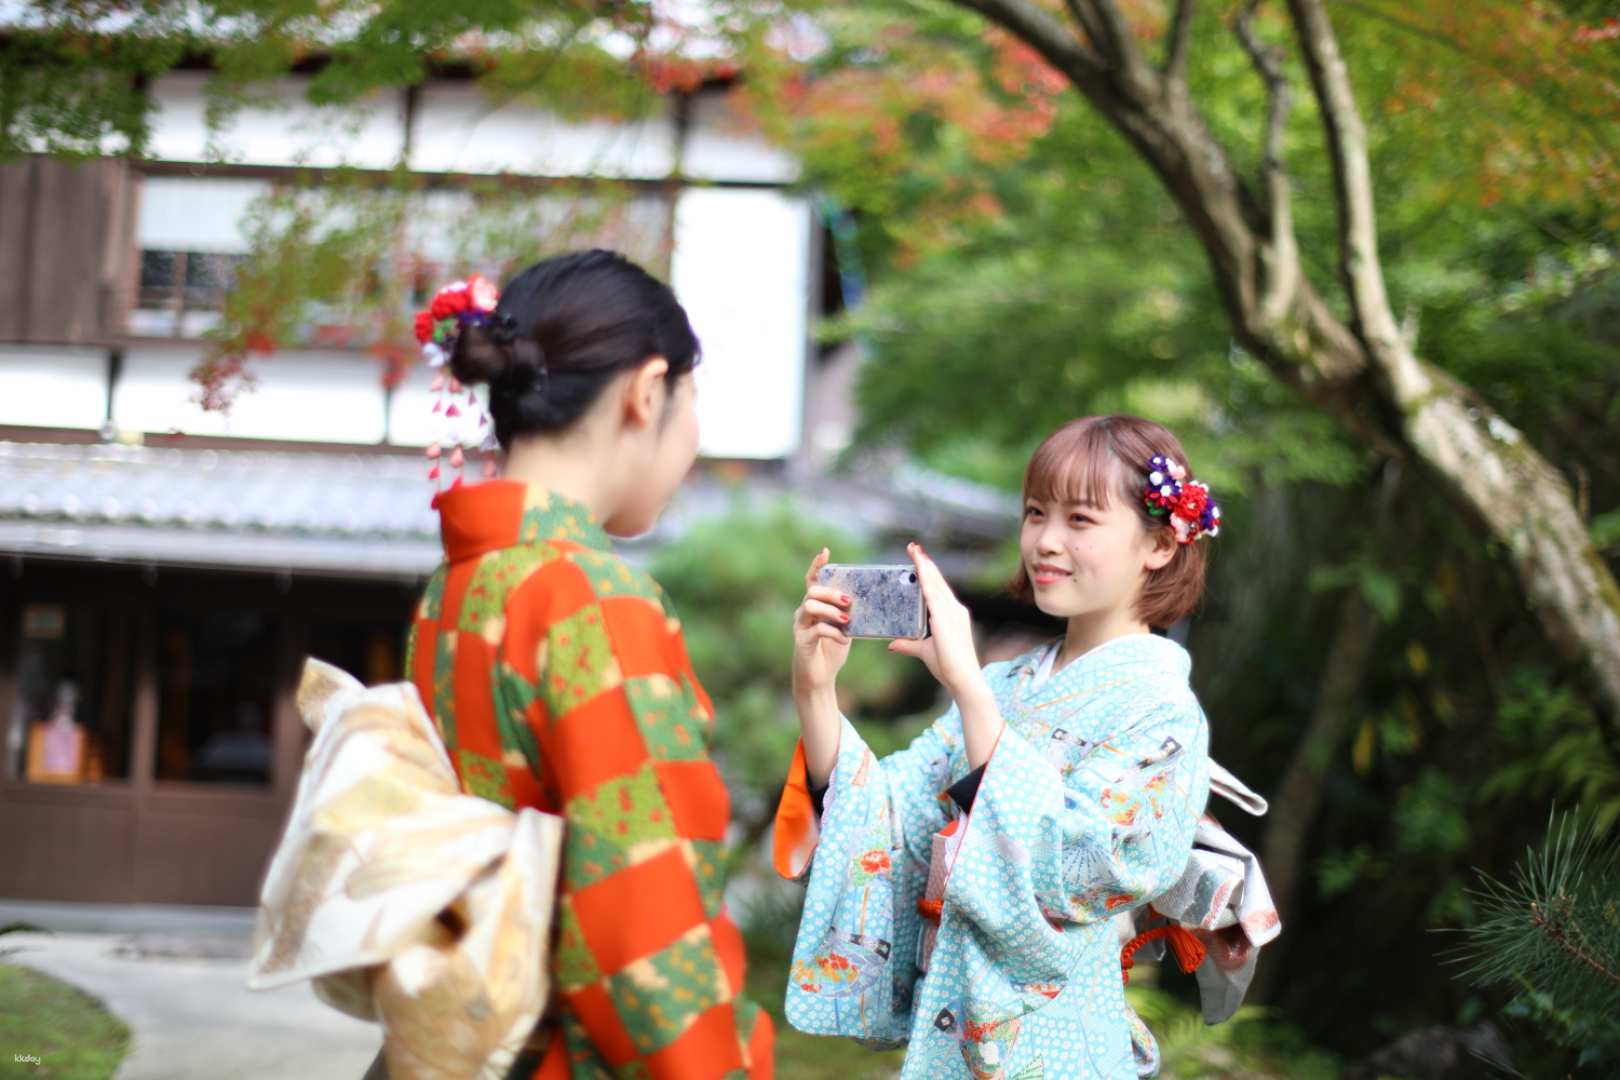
{"x": 1554, "y": 929}
{"x": 1562, "y": 935}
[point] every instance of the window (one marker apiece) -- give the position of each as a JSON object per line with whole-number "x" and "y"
{"x": 189, "y": 231}
{"x": 75, "y": 688}
{"x": 177, "y": 286}
{"x": 217, "y": 673}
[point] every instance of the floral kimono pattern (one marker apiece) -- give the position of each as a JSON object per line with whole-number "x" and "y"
{"x": 1086, "y": 809}
{"x": 558, "y": 678}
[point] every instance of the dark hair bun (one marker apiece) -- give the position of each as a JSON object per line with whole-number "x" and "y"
{"x": 561, "y": 332}
{"x": 525, "y": 370}
{"x": 478, "y": 358}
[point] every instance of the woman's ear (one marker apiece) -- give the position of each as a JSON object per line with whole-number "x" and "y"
{"x": 1162, "y": 549}
{"x": 644, "y": 392}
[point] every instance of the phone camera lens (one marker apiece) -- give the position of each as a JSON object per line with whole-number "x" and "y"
{"x": 911, "y": 576}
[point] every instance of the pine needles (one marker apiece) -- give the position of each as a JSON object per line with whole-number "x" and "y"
{"x": 1553, "y": 932}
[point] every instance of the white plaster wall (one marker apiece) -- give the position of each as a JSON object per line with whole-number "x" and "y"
{"x": 300, "y": 395}
{"x": 461, "y": 129}
{"x": 720, "y": 145}
{"x": 49, "y": 386}
{"x": 195, "y": 213}
{"x": 278, "y": 128}
{"x": 741, "y": 269}
{"x": 412, "y": 421}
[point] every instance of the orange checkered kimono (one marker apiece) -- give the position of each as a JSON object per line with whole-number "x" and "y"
{"x": 559, "y": 679}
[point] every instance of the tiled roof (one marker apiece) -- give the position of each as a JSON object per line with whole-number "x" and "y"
{"x": 340, "y": 513}
{"x": 324, "y": 494}
{"x": 368, "y": 514}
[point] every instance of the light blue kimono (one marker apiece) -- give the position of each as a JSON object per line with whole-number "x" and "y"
{"x": 1086, "y": 809}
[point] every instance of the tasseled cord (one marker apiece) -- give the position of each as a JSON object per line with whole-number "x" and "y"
{"x": 1188, "y": 950}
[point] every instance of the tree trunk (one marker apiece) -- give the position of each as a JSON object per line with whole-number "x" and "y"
{"x": 1294, "y": 809}
{"x": 1362, "y": 373}
{"x": 1299, "y": 798}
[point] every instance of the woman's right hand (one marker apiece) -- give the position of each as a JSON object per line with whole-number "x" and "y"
{"x": 820, "y": 645}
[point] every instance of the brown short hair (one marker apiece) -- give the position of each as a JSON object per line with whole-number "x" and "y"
{"x": 1093, "y": 459}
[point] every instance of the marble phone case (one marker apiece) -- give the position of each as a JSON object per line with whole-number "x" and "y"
{"x": 886, "y": 600}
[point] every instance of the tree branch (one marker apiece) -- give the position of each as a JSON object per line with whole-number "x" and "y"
{"x": 1175, "y": 64}
{"x": 1320, "y": 356}
{"x": 1521, "y": 497}
{"x": 1116, "y": 33}
{"x": 1365, "y": 373}
{"x": 1373, "y": 320}
{"x": 1282, "y": 259}
{"x": 1045, "y": 35}
{"x": 1119, "y": 43}
{"x": 1088, "y": 26}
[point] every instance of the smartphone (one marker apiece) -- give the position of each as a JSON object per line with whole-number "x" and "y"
{"x": 885, "y": 601}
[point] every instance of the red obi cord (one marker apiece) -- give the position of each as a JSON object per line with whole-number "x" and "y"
{"x": 1188, "y": 950}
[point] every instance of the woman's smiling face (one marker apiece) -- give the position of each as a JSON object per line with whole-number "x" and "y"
{"x": 1085, "y": 558}
{"x": 1089, "y": 546}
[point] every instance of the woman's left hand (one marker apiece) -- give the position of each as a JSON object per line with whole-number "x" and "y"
{"x": 948, "y": 651}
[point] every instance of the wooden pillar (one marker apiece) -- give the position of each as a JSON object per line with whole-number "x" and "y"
{"x": 9, "y": 618}
{"x": 68, "y": 229}
{"x": 143, "y": 749}
{"x": 286, "y": 726}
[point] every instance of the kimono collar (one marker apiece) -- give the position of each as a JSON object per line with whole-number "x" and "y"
{"x": 1163, "y": 657}
{"x": 481, "y": 518}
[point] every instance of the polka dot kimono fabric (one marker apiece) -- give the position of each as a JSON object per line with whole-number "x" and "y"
{"x": 1086, "y": 810}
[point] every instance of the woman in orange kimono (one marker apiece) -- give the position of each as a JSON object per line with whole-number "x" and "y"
{"x": 557, "y": 673}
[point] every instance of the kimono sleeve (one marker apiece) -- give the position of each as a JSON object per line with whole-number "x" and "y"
{"x": 854, "y": 961}
{"x": 1049, "y": 844}
{"x": 914, "y": 776}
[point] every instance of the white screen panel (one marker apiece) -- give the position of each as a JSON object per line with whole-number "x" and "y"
{"x": 459, "y": 129}
{"x": 411, "y": 419}
{"x": 741, "y": 268}
{"x": 42, "y": 386}
{"x": 189, "y": 213}
{"x": 299, "y": 396}
{"x": 279, "y": 128}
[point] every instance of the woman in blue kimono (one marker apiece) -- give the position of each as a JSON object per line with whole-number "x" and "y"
{"x": 962, "y": 891}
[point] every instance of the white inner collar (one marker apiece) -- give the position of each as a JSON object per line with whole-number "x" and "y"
{"x": 1043, "y": 670}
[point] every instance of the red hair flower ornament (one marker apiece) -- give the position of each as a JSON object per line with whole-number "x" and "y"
{"x": 1193, "y": 513}
{"x": 464, "y": 423}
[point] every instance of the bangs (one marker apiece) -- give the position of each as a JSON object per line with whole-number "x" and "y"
{"x": 1076, "y": 464}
